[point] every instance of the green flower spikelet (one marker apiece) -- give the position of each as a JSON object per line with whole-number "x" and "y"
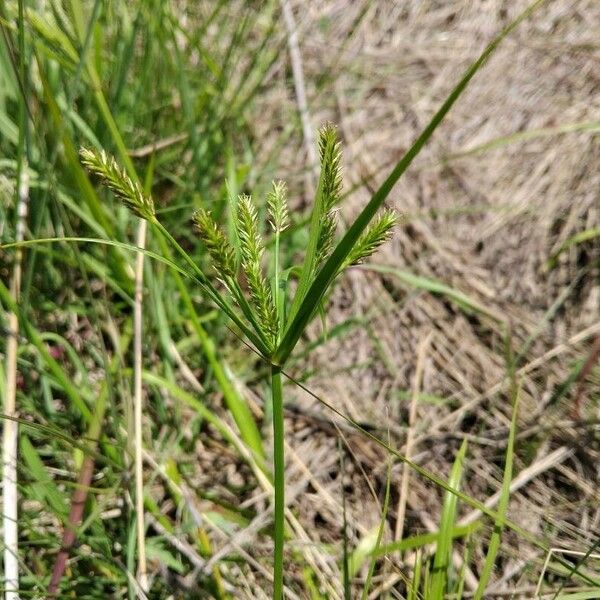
{"x": 116, "y": 179}
{"x": 252, "y": 250}
{"x": 219, "y": 248}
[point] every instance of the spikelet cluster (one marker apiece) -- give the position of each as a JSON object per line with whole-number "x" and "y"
{"x": 379, "y": 232}
{"x": 117, "y": 180}
{"x": 331, "y": 188}
{"x": 219, "y": 248}
{"x": 252, "y": 250}
{"x": 259, "y": 309}
{"x": 277, "y": 206}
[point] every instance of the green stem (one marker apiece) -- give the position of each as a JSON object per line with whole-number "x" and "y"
{"x": 279, "y": 480}
{"x": 239, "y": 409}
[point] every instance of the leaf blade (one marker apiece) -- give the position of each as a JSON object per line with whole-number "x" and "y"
{"x": 300, "y": 317}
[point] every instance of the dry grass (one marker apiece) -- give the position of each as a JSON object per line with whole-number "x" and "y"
{"x": 484, "y": 224}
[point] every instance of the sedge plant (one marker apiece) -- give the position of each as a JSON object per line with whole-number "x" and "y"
{"x": 258, "y": 301}
{"x": 269, "y": 319}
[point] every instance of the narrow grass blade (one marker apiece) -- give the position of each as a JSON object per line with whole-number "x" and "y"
{"x": 429, "y": 284}
{"x": 587, "y": 595}
{"x": 441, "y": 561}
{"x": 413, "y": 591}
{"x": 578, "y": 238}
{"x": 494, "y": 545}
{"x": 44, "y": 489}
{"x": 576, "y": 568}
{"x": 330, "y": 269}
{"x": 529, "y": 134}
{"x": 424, "y": 539}
{"x": 362, "y": 552}
{"x": 460, "y": 584}
{"x": 380, "y": 530}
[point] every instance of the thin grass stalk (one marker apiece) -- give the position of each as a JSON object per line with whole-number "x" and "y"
{"x": 137, "y": 408}
{"x": 417, "y": 382}
{"x": 441, "y": 560}
{"x": 10, "y": 426}
{"x": 278, "y": 481}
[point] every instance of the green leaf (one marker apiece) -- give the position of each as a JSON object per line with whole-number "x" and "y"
{"x": 55, "y": 41}
{"x": 43, "y": 488}
{"x": 578, "y": 238}
{"x": 441, "y": 561}
{"x": 363, "y": 550}
{"x": 424, "y": 539}
{"x": 300, "y": 315}
{"x": 157, "y": 551}
{"x": 435, "y": 286}
{"x": 490, "y": 559}
{"x": 587, "y": 595}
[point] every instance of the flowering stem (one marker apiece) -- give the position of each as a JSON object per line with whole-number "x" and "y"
{"x": 279, "y": 480}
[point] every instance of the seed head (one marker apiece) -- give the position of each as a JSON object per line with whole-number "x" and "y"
{"x": 219, "y": 248}
{"x": 379, "y": 232}
{"x": 278, "y": 208}
{"x": 116, "y": 179}
{"x": 252, "y": 250}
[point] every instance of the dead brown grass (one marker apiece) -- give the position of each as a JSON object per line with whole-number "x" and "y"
{"x": 484, "y": 224}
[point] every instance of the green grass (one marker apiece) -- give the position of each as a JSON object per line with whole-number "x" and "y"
{"x": 228, "y": 297}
